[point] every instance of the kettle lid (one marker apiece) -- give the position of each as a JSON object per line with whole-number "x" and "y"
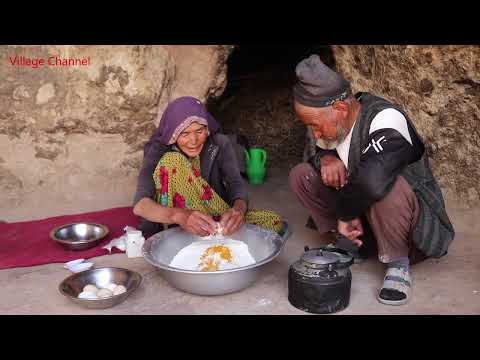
{"x": 320, "y": 257}
{"x": 328, "y": 255}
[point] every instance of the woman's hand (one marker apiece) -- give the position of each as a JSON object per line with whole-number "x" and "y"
{"x": 196, "y": 222}
{"x": 333, "y": 171}
{"x": 233, "y": 218}
{"x": 351, "y": 230}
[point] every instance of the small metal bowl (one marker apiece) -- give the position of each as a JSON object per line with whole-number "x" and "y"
{"x": 101, "y": 277}
{"x": 79, "y": 236}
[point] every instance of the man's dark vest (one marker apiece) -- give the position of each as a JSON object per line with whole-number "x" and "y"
{"x": 433, "y": 232}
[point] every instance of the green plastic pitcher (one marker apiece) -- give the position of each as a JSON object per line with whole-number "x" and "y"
{"x": 255, "y": 160}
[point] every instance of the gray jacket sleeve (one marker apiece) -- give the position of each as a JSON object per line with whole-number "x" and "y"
{"x": 145, "y": 184}
{"x": 234, "y": 182}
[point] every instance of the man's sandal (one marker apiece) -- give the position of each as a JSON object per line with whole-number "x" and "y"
{"x": 396, "y": 289}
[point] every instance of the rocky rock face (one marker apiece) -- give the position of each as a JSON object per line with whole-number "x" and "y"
{"x": 439, "y": 88}
{"x": 72, "y": 128}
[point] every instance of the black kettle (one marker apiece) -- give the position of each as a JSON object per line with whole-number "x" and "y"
{"x": 320, "y": 282}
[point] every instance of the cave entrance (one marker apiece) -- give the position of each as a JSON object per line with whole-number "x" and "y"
{"x": 257, "y": 102}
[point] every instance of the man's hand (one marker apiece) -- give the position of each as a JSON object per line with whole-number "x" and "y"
{"x": 351, "y": 230}
{"x": 333, "y": 171}
{"x": 233, "y": 218}
{"x": 196, "y": 222}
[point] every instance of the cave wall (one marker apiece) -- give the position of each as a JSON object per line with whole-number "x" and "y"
{"x": 439, "y": 88}
{"x": 71, "y": 137}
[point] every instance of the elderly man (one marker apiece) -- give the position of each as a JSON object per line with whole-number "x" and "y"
{"x": 370, "y": 180}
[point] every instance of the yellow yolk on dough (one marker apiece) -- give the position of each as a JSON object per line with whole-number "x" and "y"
{"x": 211, "y": 257}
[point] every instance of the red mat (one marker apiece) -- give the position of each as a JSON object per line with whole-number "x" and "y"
{"x": 28, "y": 243}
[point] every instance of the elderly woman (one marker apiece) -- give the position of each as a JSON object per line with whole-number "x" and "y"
{"x": 190, "y": 176}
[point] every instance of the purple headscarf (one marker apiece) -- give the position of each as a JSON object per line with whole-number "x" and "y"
{"x": 175, "y": 114}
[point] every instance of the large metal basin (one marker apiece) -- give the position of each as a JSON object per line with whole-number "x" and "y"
{"x": 264, "y": 246}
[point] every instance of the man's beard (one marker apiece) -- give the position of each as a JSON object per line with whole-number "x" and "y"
{"x": 332, "y": 144}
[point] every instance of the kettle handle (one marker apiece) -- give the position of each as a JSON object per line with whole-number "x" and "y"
{"x": 247, "y": 156}
{"x": 264, "y": 157}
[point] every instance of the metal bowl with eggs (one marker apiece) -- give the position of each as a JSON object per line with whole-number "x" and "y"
{"x": 80, "y": 235}
{"x": 101, "y": 278}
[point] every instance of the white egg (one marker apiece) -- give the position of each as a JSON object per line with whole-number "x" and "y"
{"x": 90, "y": 288}
{"x": 87, "y": 295}
{"x": 120, "y": 289}
{"x": 104, "y": 293}
{"x": 111, "y": 286}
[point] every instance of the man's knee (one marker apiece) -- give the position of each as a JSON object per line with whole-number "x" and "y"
{"x": 396, "y": 214}
{"x": 401, "y": 196}
{"x": 299, "y": 175}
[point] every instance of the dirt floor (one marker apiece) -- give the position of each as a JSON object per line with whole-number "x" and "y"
{"x": 450, "y": 285}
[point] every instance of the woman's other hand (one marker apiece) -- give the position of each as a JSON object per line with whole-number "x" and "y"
{"x": 196, "y": 222}
{"x": 234, "y": 217}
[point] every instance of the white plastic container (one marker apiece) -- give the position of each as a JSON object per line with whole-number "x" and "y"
{"x": 134, "y": 242}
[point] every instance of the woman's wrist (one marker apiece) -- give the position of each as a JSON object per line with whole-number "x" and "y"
{"x": 240, "y": 205}
{"x": 178, "y": 216}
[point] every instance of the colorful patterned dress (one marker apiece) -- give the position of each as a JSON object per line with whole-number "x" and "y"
{"x": 179, "y": 183}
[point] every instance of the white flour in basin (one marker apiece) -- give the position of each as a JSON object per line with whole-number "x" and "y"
{"x": 212, "y": 255}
